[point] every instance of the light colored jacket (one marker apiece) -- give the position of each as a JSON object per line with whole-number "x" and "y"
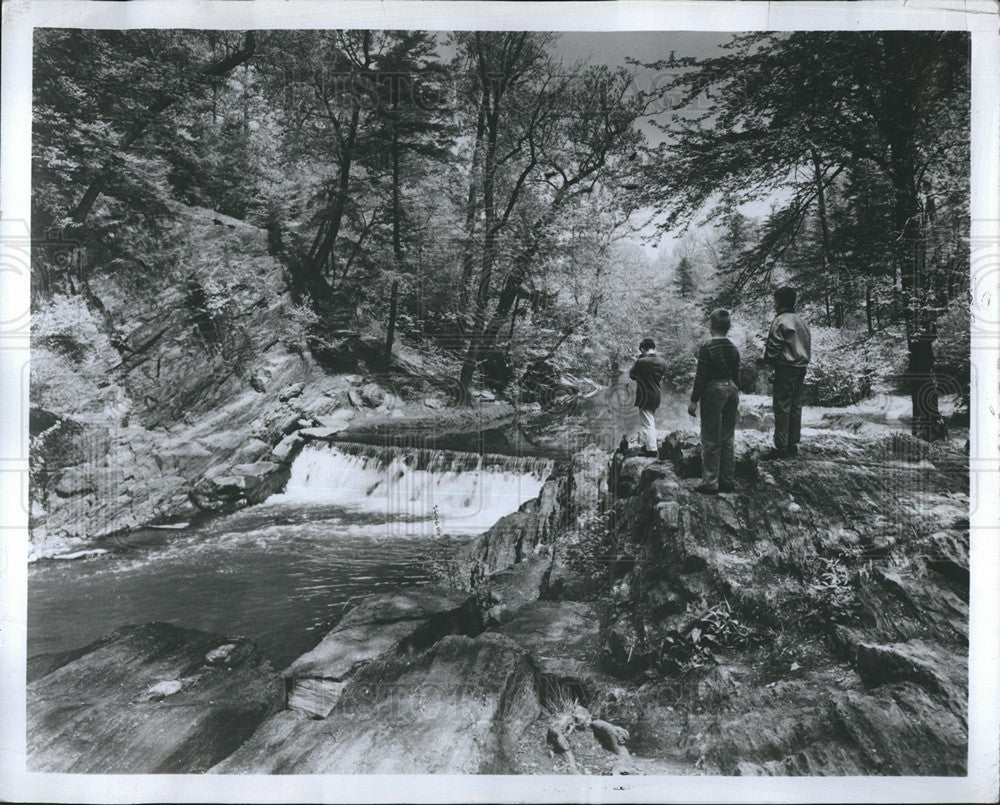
{"x": 788, "y": 342}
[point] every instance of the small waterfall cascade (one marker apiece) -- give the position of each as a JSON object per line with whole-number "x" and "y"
{"x": 455, "y": 492}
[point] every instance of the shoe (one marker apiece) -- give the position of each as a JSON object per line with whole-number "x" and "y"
{"x": 727, "y": 487}
{"x": 793, "y": 449}
{"x": 773, "y": 453}
{"x": 706, "y": 490}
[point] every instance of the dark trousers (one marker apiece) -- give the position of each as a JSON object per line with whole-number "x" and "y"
{"x": 788, "y": 405}
{"x": 719, "y": 403}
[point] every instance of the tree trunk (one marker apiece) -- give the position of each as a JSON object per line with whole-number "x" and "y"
{"x": 868, "y": 308}
{"x": 390, "y": 330}
{"x": 920, "y": 326}
{"x": 397, "y": 241}
{"x": 470, "y": 208}
{"x": 471, "y": 361}
{"x": 838, "y": 302}
{"x": 315, "y": 264}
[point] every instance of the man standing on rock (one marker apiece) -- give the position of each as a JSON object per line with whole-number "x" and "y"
{"x": 787, "y": 352}
{"x": 647, "y": 372}
{"x": 716, "y": 391}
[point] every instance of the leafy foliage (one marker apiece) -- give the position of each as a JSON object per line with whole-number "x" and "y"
{"x": 467, "y": 190}
{"x": 856, "y": 148}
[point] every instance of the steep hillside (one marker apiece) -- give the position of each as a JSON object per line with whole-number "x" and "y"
{"x": 164, "y": 400}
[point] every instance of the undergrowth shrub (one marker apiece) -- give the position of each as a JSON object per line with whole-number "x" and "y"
{"x": 71, "y": 359}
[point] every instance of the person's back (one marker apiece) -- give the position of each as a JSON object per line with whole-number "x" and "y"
{"x": 789, "y": 340}
{"x": 788, "y": 349}
{"x": 647, "y": 372}
{"x": 716, "y": 391}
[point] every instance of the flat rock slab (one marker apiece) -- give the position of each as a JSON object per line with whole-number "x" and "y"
{"x": 149, "y": 699}
{"x": 461, "y": 707}
{"x": 407, "y": 619}
{"x": 563, "y": 637}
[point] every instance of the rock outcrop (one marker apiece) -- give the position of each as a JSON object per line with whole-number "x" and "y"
{"x": 564, "y": 639}
{"x": 398, "y": 623}
{"x": 151, "y": 699}
{"x": 461, "y": 707}
{"x": 811, "y": 613}
{"x": 558, "y": 514}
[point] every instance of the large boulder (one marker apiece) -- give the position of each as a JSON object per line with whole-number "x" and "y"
{"x": 226, "y": 490}
{"x": 625, "y": 473}
{"x": 152, "y": 699}
{"x": 504, "y": 593}
{"x": 400, "y": 622}
{"x": 77, "y": 480}
{"x": 186, "y": 459}
{"x": 564, "y": 639}
{"x": 461, "y": 707}
{"x": 372, "y": 395}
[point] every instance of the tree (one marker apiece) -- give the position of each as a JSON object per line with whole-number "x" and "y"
{"x": 787, "y": 120}
{"x": 165, "y": 96}
{"x": 567, "y": 133}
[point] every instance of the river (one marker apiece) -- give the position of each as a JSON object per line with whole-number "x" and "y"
{"x": 353, "y": 520}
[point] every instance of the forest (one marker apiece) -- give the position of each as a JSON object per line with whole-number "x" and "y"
{"x": 524, "y": 217}
{"x": 330, "y": 404}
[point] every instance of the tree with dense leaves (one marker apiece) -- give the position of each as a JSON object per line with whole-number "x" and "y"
{"x": 784, "y": 119}
{"x": 551, "y": 134}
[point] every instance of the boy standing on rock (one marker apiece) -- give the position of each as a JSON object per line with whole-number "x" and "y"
{"x": 787, "y": 351}
{"x": 715, "y": 389}
{"x": 647, "y": 372}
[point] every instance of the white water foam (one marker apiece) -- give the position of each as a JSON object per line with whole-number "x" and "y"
{"x": 456, "y": 492}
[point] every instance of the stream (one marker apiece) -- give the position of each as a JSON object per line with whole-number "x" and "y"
{"x": 353, "y": 520}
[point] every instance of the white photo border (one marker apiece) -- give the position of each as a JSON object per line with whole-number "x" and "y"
{"x": 979, "y": 17}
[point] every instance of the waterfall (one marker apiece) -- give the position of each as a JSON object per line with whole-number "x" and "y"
{"x": 459, "y": 492}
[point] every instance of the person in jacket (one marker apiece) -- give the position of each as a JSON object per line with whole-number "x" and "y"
{"x": 787, "y": 351}
{"x": 647, "y": 372}
{"x": 716, "y": 392}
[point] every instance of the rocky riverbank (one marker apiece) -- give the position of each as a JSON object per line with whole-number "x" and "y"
{"x": 170, "y": 409}
{"x": 97, "y": 479}
{"x": 814, "y": 622}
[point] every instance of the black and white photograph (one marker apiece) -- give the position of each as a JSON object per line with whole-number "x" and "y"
{"x": 561, "y": 404}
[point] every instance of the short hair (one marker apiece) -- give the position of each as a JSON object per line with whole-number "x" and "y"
{"x": 785, "y": 296}
{"x": 720, "y": 321}
{"x": 647, "y": 343}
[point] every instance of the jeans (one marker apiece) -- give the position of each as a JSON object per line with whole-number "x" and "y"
{"x": 719, "y": 403}
{"x": 647, "y": 429}
{"x": 788, "y": 405}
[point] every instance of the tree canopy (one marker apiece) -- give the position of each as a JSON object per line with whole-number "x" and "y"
{"x": 473, "y": 191}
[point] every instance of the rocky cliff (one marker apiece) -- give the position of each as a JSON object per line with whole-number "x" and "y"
{"x": 181, "y": 401}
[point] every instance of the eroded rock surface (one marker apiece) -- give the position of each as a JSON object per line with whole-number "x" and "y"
{"x": 819, "y": 614}
{"x": 564, "y": 639}
{"x": 400, "y": 622}
{"x": 461, "y": 707}
{"x": 556, "y": 515}
{"x": 150, "y": 699}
